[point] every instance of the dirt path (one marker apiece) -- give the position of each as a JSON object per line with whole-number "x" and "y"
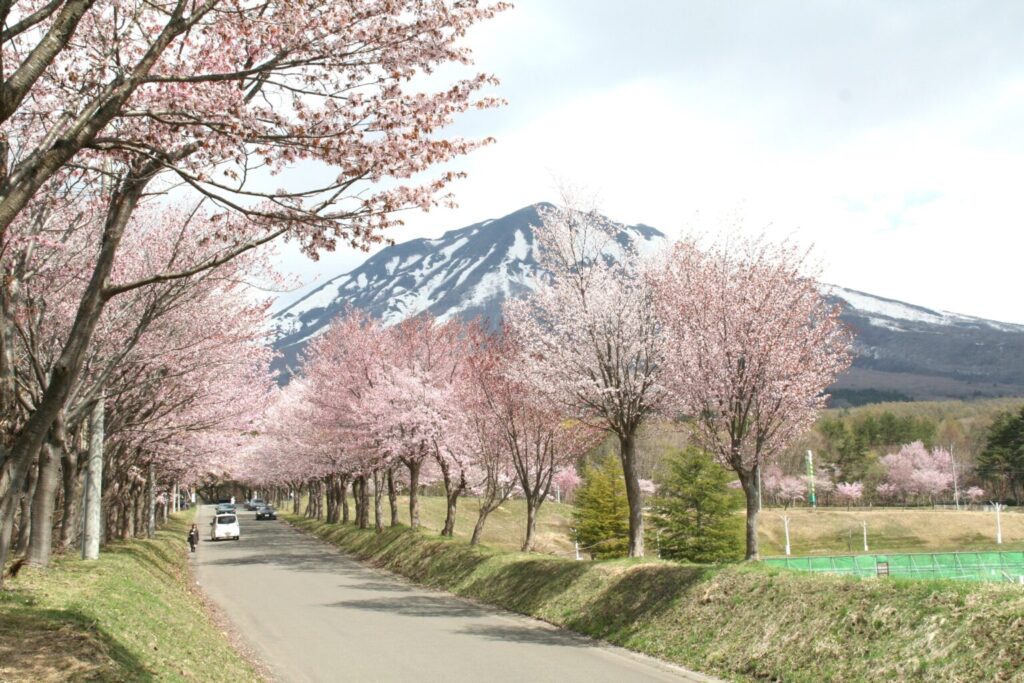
{"x": 313, "y": 614}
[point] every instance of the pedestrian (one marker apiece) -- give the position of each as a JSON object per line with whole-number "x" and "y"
{"x": 193, "y": 537}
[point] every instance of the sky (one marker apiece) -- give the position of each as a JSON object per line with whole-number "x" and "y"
{"x": 888, "y": 135}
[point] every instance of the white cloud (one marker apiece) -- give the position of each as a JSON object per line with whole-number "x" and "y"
{"x": 887, "y": 135}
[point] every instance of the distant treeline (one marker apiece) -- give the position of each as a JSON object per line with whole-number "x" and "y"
{"x": 985, "y": 438}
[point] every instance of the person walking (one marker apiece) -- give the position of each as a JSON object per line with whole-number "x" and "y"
{"x": 193, "y": 537}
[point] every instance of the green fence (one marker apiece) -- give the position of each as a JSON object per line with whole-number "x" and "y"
{"x": 970, "y": 566}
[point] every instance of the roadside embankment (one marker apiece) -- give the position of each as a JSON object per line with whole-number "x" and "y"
{"x": 132, "y": 616}
{"x": 744, "y": 622}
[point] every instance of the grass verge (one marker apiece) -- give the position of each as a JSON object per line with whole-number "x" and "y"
{"x": 130, "y": 616}
{"x": 743, "y": 622}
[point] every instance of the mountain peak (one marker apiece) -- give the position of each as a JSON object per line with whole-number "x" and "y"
{"x": 469, "y": 271}
{"x": 902, "y": 349}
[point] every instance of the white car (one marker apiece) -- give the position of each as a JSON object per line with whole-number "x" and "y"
{"x": 224, "y": 526}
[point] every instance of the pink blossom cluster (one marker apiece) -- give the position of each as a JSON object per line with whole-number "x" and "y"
{"x": 916, "y": 472}
{"x": 437, "y": 402}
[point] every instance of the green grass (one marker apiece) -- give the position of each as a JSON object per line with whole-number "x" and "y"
{"x": 743, "y": 622}
{"x": 130, "y": 616}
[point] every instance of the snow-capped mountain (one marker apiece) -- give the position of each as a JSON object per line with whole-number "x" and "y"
{"x": 467, "y": 272}
{"x": 903, "y": 351}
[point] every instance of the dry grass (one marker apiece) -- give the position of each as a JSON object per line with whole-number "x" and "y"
{"x": 829, "y": 531}
{"x": 822, "y": 531}
{"x": 506, "y": 526}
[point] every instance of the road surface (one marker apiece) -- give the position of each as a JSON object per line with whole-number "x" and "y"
{"x": 313, "y": 614}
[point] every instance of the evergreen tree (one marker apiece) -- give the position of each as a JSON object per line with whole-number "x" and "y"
{"x": 1003, "y": 458}
{"x": 695, "y": 511}
{"x": 601, "y": 516}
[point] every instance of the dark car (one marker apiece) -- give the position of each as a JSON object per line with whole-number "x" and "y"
{"x": 254, "y": 504}
{"x": 266, "y": 512}
{"x": 224, "y": 508}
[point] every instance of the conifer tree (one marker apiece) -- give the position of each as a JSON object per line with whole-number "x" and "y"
{"x": 601, "y": 517}
{"x": 695, "y": 511}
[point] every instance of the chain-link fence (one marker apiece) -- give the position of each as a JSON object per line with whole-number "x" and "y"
{"x": 969, "y": 566}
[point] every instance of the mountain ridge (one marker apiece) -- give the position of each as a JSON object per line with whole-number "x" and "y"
{"x": 902, "y": 350}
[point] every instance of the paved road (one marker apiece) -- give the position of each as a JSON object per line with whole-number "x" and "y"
{"x": 313, "y": 614}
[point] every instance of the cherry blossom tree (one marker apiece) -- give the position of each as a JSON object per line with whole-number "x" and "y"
{"x": 914, "y": 471}
{"x": 751, "y": 346}
{"x": 216, "y": 97}
{"x": 791, "y": 489}
{"x": 163, "y": 358}
{"x": 494, "y": 479}
{"x": 536, "y": 435}
{"x": 566, "y": 481}
{"x": 975, "y": 494}
{"x": 849, "y": 493}
{"x": 589, "y": 337}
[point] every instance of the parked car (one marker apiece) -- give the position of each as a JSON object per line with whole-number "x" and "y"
{"x": 224, "y": 526}
{"x": 266, "y": 512}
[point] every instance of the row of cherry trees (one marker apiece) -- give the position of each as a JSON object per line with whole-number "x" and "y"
{"x": 913, "y": 473}
{"x": 421, "y": 402}
{"x": 736, "y": 338}
{"x": 108, "y": 106}
{"x": 174, "y": 373}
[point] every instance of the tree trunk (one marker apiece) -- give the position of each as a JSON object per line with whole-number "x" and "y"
{"x": 627, "y": 453}
{"x": 378, "y": 501}
{"x": 478, "y": 528}
{"x": 72, "y": 487}
{"x": 297, "y": 500}
{"x": 452, "y": 490}
{"x": 309, "y": 501}
{"x": 414, "y": 493}
{"x": 138, "y": 511}
{"x": 362, "y": 493}
{"x": 329, "y": 495}
{"x": 393, "y": 496}
{"x": 750, "y": 490}
{"x": 151, "y": 501}
{"x": 343, "y": 499}
{"x": 41, "y": 544}
{"x": 27, "y": 492}
{"x": 532, "y": 506}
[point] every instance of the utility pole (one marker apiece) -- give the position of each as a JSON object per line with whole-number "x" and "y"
{"x": 785, "y": 523}
{"x": 811, "y": 498}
